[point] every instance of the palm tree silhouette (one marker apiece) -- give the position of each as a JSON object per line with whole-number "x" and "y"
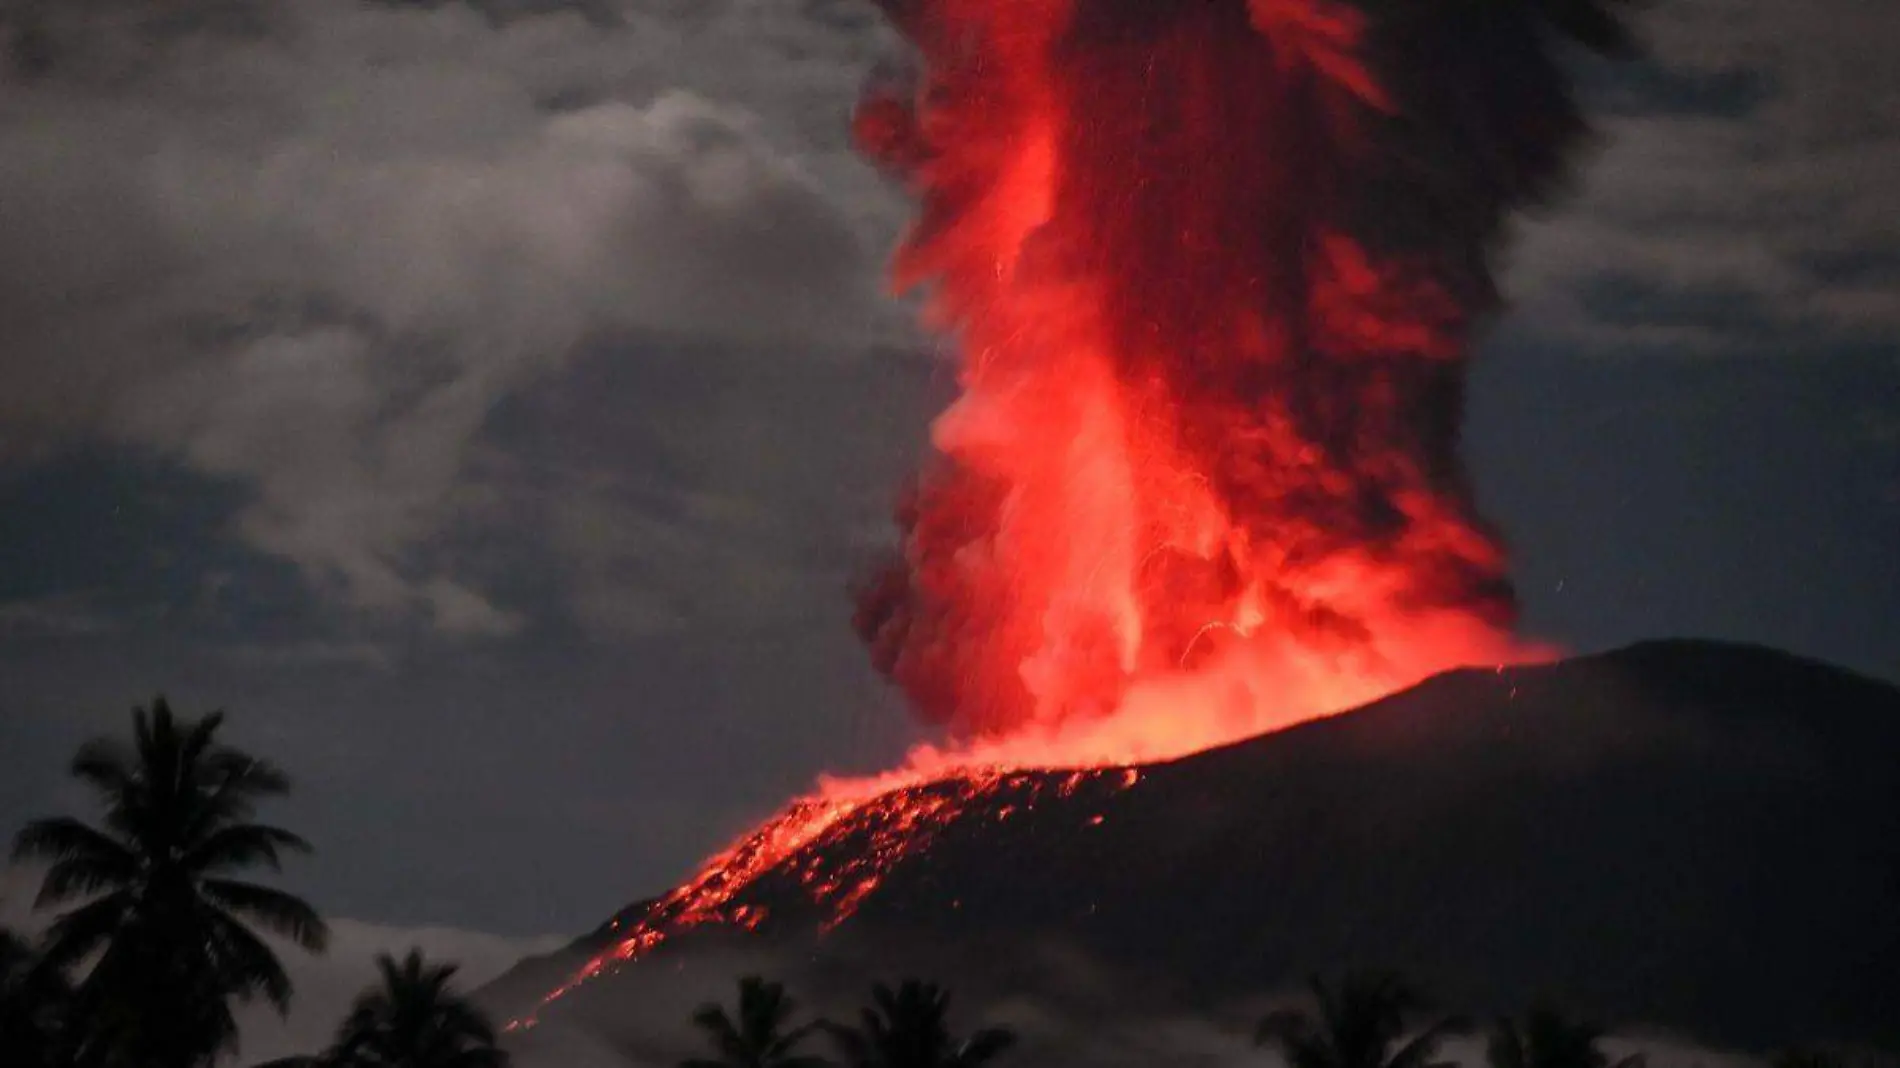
{"x": 162, "y": 916}
{"x": 1548, "y": 1040}
{"x": 758, "y": 1036}
{"x": 908, "y": 1028}
{"x": 1360, "y": 1025}
{"x": 34, "y": 998}
{"x": 412, "y": 1018}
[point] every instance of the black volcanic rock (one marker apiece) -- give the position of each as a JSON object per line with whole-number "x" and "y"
{"x": 1690, "y": 835}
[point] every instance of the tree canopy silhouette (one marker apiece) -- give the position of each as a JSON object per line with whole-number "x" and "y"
{"x": 34, "y": 998}
{"x": 758, "y": 1035}
{"x": 164, "y": 925}
{"x": 908, "y": 1027}
{"x": 412, "y": 1018}
{"x": 1547, "y": 1039}
{"x": 1362, "y": 1024}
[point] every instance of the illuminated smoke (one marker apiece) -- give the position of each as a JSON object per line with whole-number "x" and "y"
{"x": 1213, "y": 269}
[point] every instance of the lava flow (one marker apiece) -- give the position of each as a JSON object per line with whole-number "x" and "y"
{"x": 1213, "y": 268}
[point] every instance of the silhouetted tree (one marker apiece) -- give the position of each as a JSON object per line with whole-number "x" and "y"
{"x": 759, "y": 1035}
{"x": 163, "y": 921}
{"x": 1360, "y": 1025}
{"x": 1546, "y": 1039}
{"x": 909, "y": 1028}
{"x": 34, "y": 999}
{"x": 413, "y": 1018}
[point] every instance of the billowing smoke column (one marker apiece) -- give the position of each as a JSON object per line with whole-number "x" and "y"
{"x": 1213, "y": 267}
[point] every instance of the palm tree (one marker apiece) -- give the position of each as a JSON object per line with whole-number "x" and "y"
{"x": 1360, "y": 1025}
{"x": 908, "y": 1028}
{"x": 758, "y": 1037}
{"x": 412, "y": 1019}
{"x": 33, "y": 1001}
{"x": 1548, "y": 1040}
{"x": 163, "y": 921}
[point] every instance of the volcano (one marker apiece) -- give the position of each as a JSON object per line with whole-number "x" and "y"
{"x": 1688, "y": 835}
{"x": 1211, "y": 274}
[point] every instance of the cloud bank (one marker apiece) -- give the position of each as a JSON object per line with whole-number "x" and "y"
{"x": 309, "y": 251}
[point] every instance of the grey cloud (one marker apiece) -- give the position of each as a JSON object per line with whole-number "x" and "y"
{"x": 457, "y": 609}
{"x": 62, "y": 615}
{"x": 683, "y": 486}
{"x": 312, "y": 259}
{"x": 1747, "y": 180}
{"x": 712, "y": 559}
{"x": 359, "y": 654}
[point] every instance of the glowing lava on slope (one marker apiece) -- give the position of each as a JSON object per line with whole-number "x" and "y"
{"x": 1213, "y": 267}
{"x": 878, "y": 823}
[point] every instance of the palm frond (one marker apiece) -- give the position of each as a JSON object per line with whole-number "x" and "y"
{"x": 1505, "y": 1049}
{"x": 85, "y": 860}
{"x": 105, "y": 764}
{"x": 248, "y": 965}
{"x": 359, "y": 1025}
{"x": 462, "y": 1019}
{"x": 62, "y": 837}
{"x": 1424, "y": 1046}
{"x": 244, "y": 775}
{"x": 274, "y": 910}
{"x": 81, "y": 877}
{"x": 14, "y": 950}
{"x": 391, "y": 973}
{"x": 1281, "y": 1025}
{"x": 154, "y": 738}
{"x": 197, "y": 739}
{"x": 228, "y": 784}
{"x": 790, "y": 1040}
{"x": 721, "y": 1032}
{"x": 80, "y": 933}
{"x": 853, "y": 1044}
{"x": 243, "y": 845}
{"x": 984, "y": 1046}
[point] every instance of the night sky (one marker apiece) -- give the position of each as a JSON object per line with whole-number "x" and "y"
{"x": 489, "y": 405}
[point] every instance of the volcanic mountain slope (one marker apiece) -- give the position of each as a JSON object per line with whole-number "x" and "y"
{"x": 1691, "y": 835}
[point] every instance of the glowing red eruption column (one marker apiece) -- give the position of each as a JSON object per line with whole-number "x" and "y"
{"x": 1203, "y": 477}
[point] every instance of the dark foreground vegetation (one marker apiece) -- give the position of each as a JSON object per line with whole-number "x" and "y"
{"x": 157, "y": 935}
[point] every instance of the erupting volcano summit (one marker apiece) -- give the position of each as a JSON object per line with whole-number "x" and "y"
{"x": 1213, "y": 269}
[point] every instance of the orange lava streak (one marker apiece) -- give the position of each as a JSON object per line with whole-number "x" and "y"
{"x": 837, "y": 845}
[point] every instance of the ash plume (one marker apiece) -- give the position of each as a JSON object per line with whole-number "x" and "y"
{"x": 1214, "y": 268}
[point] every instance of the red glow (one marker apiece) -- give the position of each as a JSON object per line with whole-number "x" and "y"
{"x": 1202, "y": 480}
